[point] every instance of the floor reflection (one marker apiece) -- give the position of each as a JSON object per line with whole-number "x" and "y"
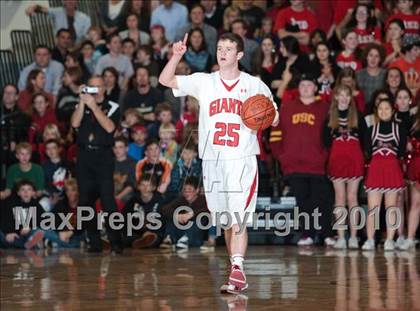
{"x": 279, "y": 277}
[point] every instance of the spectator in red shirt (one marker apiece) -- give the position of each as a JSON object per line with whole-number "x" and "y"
{"x": 394, "y": 35}
{"x": 42, "y": 115}
{"x": 302, "y": 156}
{"x": 35, "y": 83}
{"x": 349, "y": 57}
{"x": 297, "y": 21}
{"x": 409, "y": 62}
{"x": 275, "y": 8}
{"x": 406, "y": 12}
{"x": 364, "y": 24}
{"x": 343, "y": 10}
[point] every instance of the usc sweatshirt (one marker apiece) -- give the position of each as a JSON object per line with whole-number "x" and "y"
{"x": 297, "y": 141}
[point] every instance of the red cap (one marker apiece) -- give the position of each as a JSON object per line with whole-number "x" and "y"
{"x": 157, "y": 26}
{"x": 138, "y": 127}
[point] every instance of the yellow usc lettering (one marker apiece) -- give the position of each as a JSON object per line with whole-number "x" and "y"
{"x": 303, "y": 117}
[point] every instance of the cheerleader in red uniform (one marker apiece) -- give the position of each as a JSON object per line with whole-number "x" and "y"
{"x": 414, "y": 177}
{"x": 385, "y": 144}
{"x": 343, "y": 133}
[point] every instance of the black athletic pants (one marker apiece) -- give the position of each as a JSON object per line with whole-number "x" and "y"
{"x": 95, "y": 169}
{"x": 311, "y": 192}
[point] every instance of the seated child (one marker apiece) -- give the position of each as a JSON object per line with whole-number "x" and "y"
{"x": 167, "y": 142}
{"x": 26, "y": 237}
{"x": 24, "y": 169}
{"x": 156, "y": 165}
{"x": 187, "y": 165}
{"x": 144, "y": 203}
{"x": 190, "y": 197}
{"x": 66, "y": 238}
{"x": 136, "y": 148}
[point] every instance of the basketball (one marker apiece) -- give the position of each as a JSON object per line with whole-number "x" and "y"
{"x": 258, "y": 112}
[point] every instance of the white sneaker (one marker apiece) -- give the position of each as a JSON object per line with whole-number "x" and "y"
{"x": 408, "y": 244}
{"x": 399, "y": 241}
{"x": 329, "y": 241}
{"x": 353, "y": 243}
{"x": 369, "y": 245}
{"x": 389, "y": 245}
{"x": 305, "y": 242}
{"x": 340, "y": 244}
{"x": 166, "y": 242}
{"x": 182, "y": 242}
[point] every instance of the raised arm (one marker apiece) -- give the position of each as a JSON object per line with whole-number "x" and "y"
{"x": 35, "y": 8}
{"x": 167, "y": 76}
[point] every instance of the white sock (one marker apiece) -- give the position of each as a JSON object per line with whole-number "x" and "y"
{"x": 237, "y": 259}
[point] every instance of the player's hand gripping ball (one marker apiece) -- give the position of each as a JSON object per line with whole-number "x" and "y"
{"x": 258, "y": 112}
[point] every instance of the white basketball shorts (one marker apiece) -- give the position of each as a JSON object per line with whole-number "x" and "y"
{"x": 231, "y": 189}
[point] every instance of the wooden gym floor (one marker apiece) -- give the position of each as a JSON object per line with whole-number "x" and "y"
{"x": 280, "y": 278}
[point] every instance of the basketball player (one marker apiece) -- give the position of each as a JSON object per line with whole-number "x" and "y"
{"x": 228, "y": 148}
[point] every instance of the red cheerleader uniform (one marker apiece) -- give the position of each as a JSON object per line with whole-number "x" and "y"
{"x": 346, "y": 160}
{"x": 413, "y": 169}
{"x": 386, "y": 143}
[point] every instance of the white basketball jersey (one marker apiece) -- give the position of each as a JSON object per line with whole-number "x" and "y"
{"x": 222, "y": 134}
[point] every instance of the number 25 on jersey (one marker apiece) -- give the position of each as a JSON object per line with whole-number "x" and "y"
{"x": 226, "y": 134}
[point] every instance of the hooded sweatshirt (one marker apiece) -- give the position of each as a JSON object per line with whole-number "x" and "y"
{"x": 297, "y": 141}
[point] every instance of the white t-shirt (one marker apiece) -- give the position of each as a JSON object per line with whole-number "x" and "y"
{"x": 222, "y": 134}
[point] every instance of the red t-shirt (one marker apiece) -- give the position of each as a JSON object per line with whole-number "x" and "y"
{"x": 349, "y": 61}
{"x": 404, "y": 66}
{"x": 365, "y": 36}
{"x": 411, "y": 22}
{"x": 305, "y": 20}
{"x": 388, "y": 48}
{"x": 324, "y": 11}
{"x": 342, "y": 6}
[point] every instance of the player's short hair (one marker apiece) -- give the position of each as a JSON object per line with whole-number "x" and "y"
{"x": 192, "y": 181}
{"x": 232, "y": 37}
{"x": 148, "y": 177}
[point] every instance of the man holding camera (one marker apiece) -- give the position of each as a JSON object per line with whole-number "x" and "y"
{"x": 96, "y": 120}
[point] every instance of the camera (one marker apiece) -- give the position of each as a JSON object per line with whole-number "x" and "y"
{"x": 90, "y": 90}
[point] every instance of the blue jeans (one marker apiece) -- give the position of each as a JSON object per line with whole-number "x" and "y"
{"x": 194, "y": 234}
{"x": 54, "y": 237}
{"x": 18, "y": 242}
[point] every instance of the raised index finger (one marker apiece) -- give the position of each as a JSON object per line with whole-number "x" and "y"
{"x": 185, "y": 39}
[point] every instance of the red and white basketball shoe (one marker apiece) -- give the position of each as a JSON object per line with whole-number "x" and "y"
{"x": 237, "y": 280}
